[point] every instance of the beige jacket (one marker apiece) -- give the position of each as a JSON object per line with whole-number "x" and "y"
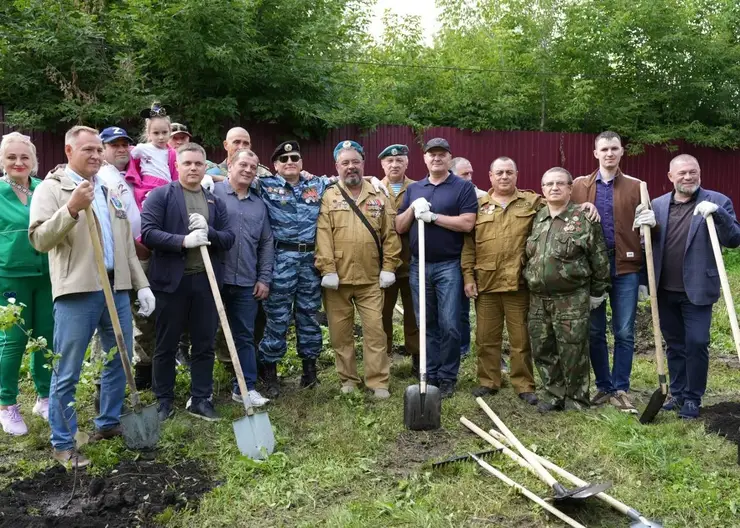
{"x": 67, "y": 240}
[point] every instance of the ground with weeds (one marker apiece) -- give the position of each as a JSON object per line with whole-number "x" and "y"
{"x": 346, "y": 461}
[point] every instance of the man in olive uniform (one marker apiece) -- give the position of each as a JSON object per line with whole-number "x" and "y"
{"x": 568, "y": 276}
{"x": 357, "y": 253}
{"x": 395, "y": 160}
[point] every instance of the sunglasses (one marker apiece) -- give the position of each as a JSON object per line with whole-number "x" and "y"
{"x": 289, "y": 157}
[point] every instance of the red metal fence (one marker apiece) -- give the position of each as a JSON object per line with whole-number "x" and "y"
{"x": 534, "y": 153}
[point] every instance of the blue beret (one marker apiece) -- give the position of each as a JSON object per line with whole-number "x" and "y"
{"x": 394, "y": 150}
{"x": 348, "y": 144}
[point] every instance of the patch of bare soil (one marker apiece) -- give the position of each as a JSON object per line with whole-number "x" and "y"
{"x": 414, "y": 448}
{"x": 723, "y": 419}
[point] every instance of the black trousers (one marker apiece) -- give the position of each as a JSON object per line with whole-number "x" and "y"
{"x": 190, "y": 307}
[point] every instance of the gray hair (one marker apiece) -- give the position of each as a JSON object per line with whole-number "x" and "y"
{"x": 454, "y": 162}
{"x": 504, "y": 159}
{"x": 683, "y": 158}
{"x": 71, "y": 136}
{"x": 17, "y": 137}
{"x": 190, "y": 147}
{"x": 558, "y": 170}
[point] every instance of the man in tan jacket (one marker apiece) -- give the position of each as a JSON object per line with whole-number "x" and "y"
{"x": 395, "y": 160}
{"x": 58, "y": 225}
{"x": 355, "y": 265}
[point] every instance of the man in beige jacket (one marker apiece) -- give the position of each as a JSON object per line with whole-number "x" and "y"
{"x": 58, "y": 225}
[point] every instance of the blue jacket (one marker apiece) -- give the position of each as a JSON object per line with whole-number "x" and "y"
{"x": 700, "y": 275}
{"x": 164, "y": 224}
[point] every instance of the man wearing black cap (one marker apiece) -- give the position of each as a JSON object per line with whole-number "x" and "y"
{"x": 395, "y": 160}
{"x": 448, "y": 205}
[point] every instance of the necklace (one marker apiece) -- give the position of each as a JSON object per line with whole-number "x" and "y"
{"x": 20, "y": 188}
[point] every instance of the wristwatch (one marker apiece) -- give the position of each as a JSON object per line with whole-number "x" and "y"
{"x": 434, "y": 217}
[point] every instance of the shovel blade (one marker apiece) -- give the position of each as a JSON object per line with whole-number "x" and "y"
{"x": 647, "y": 524}
{"x": 254, "y": 436}
{"x": 653, "y": 407}
{"x": 422, "y": 411}
{"x": 141, "y": 428}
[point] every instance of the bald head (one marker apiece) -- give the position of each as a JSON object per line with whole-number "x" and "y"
{"x": 683, "y": 158}
{"x": 237, "y": 138}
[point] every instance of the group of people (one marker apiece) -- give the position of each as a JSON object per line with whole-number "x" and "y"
{"x": 282, "y": 241}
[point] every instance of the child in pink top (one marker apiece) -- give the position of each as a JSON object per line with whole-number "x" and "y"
{"x": 152, "y": 162}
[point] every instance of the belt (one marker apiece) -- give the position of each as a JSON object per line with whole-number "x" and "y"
{"x": 301, "y": 248}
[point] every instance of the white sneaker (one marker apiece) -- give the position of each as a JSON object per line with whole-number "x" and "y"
{"x": 257, "y": 399}
{"x": 381, "y": 394}
{"x": 42, "y": 408}
{"x": 348, "y": 389}
{"x": 12, "y": 421}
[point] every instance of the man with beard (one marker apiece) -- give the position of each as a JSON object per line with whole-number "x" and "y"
{"x": 395, "y": 160}
{"x": 686, "y": 275}
{"x": 357, "y": 253}
{"x": 447, "y": 204}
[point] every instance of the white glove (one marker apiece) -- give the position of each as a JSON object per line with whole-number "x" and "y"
{"x": 596, "y": 301}
{"x": 378, "y": 185}
{"x": 146, "y": 302}
{"x": 420, "y": 205}
{"x": 643, "y": 294}
{"x": 426, "y": 216}
{"x": 197, "y": 221}
{"x": 645, "y": 217}
{"x": 705, "y": 208}
{"x": 331, "y": 281}
{"x": 196, "y": 238}
{"x": 387, "y": 278}
{"x": 207, "y": 183}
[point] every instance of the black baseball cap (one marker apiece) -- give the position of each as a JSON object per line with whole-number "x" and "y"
{"x": 437, "y": 143}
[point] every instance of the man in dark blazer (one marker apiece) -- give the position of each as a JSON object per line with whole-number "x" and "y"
{"x": 176, "y": 220}
{"x": 687, "y": 277}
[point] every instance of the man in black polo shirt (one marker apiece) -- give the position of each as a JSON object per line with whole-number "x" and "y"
{"x": 448, "y": 205}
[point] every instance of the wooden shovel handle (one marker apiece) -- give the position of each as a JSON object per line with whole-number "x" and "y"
{"x": 226, "y": 329}
{"x": 726, "y": 292}
{"x": 422, "y": 309}
{"x": 110, "y": 303}
{"x": 657, "y": 336}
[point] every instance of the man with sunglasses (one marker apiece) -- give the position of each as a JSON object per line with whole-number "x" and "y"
{"x": 568, "y": 276}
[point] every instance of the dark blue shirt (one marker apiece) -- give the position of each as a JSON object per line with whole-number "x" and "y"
{"x": 452, "y": 197}
{"x": 251, "y": 257}
{"x": 605, "y": 206}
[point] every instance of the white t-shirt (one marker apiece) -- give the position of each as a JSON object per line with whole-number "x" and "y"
{"x": 154, "y": 161}
{"x": 118, "y": 187}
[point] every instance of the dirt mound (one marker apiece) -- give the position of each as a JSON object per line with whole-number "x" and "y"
{"x": 723, "y": 419}
{"x": 131, "y": 495}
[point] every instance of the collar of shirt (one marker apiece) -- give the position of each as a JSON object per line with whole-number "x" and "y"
{"x": 231, "y": 190}
{"x": 448, "y": 179}
{"x": 601, "y": 180}
{"x": 562, "y": 214}
{"x": 76, "y": 177}
{"x": 692, "y": 199}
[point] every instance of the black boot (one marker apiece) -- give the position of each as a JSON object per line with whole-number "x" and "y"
{"x": 143, "y": 376}
{"x": 271, "y": 377}
{"x": 309, "y": 379}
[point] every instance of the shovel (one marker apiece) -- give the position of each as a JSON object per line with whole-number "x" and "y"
{"x": 422, "y": 403}
{"x": 254, "y": 435}
{"x": 658, "y": 398}
{"x": 140, "y": 427}
{"x": 561, "y": 493}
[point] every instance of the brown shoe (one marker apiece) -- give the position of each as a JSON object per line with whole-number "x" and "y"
{"x": 106, "y": 434}
{"x": 601, "y": 397}
{"x": 71, "y": 458}
{"x": 621, "y": 401}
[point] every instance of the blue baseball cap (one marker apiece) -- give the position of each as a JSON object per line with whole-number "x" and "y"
{"x": 348, "y": 144}
{"x": 113, "y": 133}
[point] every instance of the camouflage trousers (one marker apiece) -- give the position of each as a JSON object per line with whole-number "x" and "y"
{"x": 558, "y": 332}
{"x": 295, "y": 293}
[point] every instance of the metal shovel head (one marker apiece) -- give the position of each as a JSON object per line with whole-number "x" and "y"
{"x": 584, "y": 492}
{"x": 254, "y": 436}
{"x": 422, "y": 411}
{"x": 647, "y": 523}
{"x": 653, "y": 407}
{"x": 141, "y": 428}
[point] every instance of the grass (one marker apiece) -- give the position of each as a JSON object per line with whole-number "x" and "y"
{"x": 348, "y": 461}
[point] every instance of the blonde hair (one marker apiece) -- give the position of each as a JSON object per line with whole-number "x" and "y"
{"x": 17, "y": 137}
{"x": 75, "y": 131}
{"x": 144, "y": 137}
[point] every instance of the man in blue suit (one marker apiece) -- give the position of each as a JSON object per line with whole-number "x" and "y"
{"x": 176, "y": 220}
{"x": 686, "y": 275}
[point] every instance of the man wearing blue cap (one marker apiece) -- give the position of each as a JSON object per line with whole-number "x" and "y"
{"x": 395, "y": 161}
{"x": 448, "y": 205}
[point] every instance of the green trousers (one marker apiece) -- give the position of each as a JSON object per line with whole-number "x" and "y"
{"x": 35, "y": 293}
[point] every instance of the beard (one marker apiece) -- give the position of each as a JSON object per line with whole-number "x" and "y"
{"x": 687, "y": 189}
{"x": 353, "y": 178}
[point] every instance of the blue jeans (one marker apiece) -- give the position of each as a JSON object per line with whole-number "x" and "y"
{"x": 623, "y": 300}
{"x": 443, "y": 285}
{"x": 76, "y": 316}
{"x": 241, "y": 310}
{"x": 464, "y": 324}
{"x": 685, "y": 327}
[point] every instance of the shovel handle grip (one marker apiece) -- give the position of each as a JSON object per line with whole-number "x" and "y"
{"x": 653, "y": 287}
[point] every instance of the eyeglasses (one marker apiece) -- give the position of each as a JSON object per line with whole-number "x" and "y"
{"x": 289, "y": 157}
{"x": 556, "y": 184}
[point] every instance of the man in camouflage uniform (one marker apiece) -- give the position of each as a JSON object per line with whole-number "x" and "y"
{"x": 356, "y": 265}
{"x": 568, "y": 276}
